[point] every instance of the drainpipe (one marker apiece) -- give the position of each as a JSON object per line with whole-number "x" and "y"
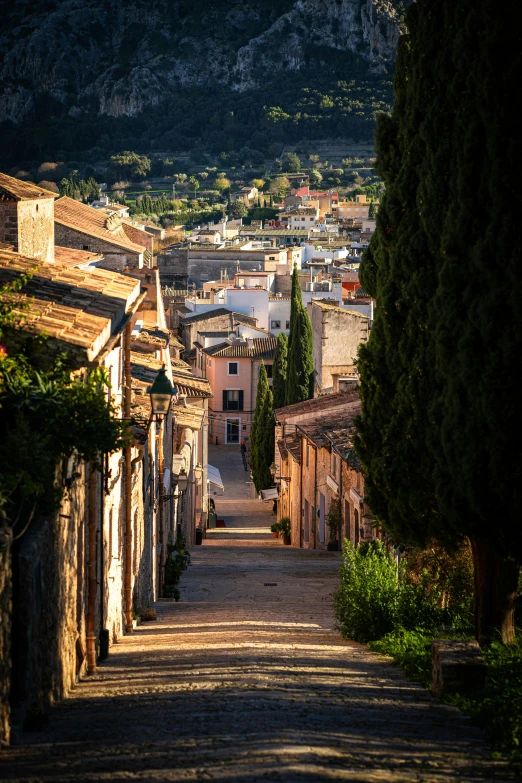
{"x": 91, "y": 571}
{"x": 128, "y": 482}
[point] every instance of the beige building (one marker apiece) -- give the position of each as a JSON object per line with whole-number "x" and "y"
{"x": 354, "y": 210}
{"x": 337, "y": 334}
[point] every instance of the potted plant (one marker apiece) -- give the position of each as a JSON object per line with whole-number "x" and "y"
{"x": 275, "y": 528}
{"x": 285, "y": 528}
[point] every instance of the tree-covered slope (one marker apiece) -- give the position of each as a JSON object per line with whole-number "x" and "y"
{"x": 80, "y": 60}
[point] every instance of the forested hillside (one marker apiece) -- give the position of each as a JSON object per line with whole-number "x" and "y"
{"x": 77, "y": 75}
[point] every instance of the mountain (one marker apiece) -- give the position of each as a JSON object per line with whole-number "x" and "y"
{"x": 101, "y": 59}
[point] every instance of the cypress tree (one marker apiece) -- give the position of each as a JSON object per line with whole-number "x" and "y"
{"x": 266, "y": 447}
{"x": 256, "y": 434}
{"x": 300, "y": 367}
{"x": 279, "y": 371}
{"x": 440, "y": 431}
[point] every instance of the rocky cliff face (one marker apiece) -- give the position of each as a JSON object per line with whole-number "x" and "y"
{"x": 116, "y": 57}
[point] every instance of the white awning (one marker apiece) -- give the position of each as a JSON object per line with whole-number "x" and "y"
{"x": 214, "y": 476}
{"x": 269, "y": 494}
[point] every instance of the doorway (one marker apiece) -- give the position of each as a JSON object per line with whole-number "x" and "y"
{"x": 233, "y": 430}
{"x": 321, "y": 518}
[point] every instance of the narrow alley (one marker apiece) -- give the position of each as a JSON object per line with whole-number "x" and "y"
{"x": 246, "y": 679}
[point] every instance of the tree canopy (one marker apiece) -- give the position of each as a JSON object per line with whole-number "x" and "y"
{"x": 440, "y": 431}
{"x": 279, "y": 372}
{"x": 300, "y": 367}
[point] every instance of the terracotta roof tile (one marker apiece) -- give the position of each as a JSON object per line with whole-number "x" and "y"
{"x": 17, "y": 190}
{"x": 262, "y": 348}
{"x": 94, "y": 222}
{"x": 78, "y": 307}
{"x": 316, "y": 404}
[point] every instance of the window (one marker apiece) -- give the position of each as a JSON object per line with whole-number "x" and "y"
{"x": 203, "y": 276}
{"x": 241, "y": 282}
{"x": 254, "y": 281}
{"x": 233, "y": 368}
{"x": 85, "y": 247}
{"x": 275, "y": 324}
{"x": 233, "y": 399}
{"x": 288, "y": 324}
{"x": 268, "y": 368}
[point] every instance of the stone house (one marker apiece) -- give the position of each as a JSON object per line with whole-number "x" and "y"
{"x": 87, "y": 314}
{"x": 26, "y": 218}
{"x": 246, "y": 195}
{"x": 337, "y": 334}
{"x": 317, "y": 470}
{"x": 79, "y": 226}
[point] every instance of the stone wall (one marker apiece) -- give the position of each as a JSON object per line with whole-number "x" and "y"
{"x": 5, "y": 631}
{"x": 36, "y": 229}
{"x": 49, "y": 607}
{"x": 114, "y": 258}
{"x": 337, "y": 335}
{"x": 9, "y": 223}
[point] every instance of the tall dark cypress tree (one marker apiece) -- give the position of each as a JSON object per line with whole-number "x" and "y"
{"x": 264, "y": 479}
{"x": 279, "y": 371}
{"x": 257, "y": 431}
{"x": 441, "y": 427}
{"x": 300, "y": 366}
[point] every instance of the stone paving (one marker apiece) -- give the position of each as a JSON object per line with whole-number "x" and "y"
{"x": 247, "y": 680}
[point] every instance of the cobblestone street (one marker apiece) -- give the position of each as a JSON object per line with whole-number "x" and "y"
{"x": 246, "y": 679}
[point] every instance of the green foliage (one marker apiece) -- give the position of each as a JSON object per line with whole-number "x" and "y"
{"x": 498, "y": 709}
{"x": 262, "y": 434}
{"x": 222, "y": 183}
{"x": 79, "y": 189}
{"x": 285, "y": 526}
{"x": 377, "y": 597}
{"x": 238, "y": 210}
{"x": 280, "y": 370}
{"x": 291, "y": 162}
{"x": 411, "y": 650}
{"x": 275, "y": 527}
{"x": 300, "y": 367}
{"x": 46, "y": 415}
{"x": 130, "y": 165}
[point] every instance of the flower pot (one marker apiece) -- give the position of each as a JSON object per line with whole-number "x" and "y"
{"x": 286, "y": 539}
{"x": 275, "y": 533}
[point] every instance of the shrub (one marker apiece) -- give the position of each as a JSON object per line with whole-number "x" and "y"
{"x": 366, "y": 599}
{"x": 376, "y": 596}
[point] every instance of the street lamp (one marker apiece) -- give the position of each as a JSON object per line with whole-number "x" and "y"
{"x": 161, "y": 393}
{"x": 273, "y": 470}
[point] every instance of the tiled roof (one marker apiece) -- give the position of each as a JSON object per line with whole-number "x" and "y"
{"x": 67, "y": 256}
{"x": 285, "y": 232}
{"x": 214, "y": 334}
{"x": 247, "y": 319}
{"x": 262, "y": 348}
{"x": 316, "y": 404}
{"x": 188, "y": 384}
{"x": 293, "y": 446}
{"x": 144, "y": 369}
{"x": 190, "y": 354}
{"x": 17, "y": 190}
{"x": 334, "y": 429}
{"x": 154, "y": 337}
{"x": 325, "y": 306}
{"x": 87, "y": 220}
{"x": 76, "y": 307}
